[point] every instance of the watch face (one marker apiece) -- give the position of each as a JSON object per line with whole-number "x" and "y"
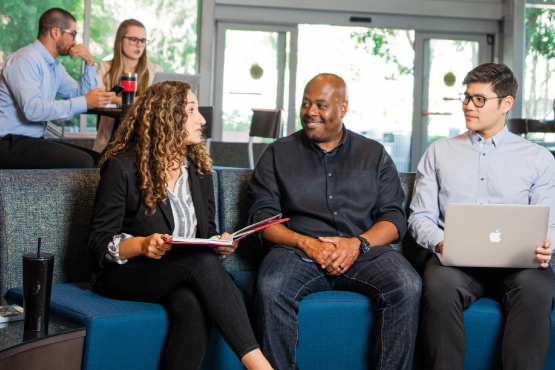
{"x": 364, "y": 245}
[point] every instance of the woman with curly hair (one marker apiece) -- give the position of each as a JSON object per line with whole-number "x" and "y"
{"x": 156, "y": 182}
{"x": 130, "y": 56}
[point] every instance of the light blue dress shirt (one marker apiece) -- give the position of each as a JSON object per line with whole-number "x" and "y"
{"x": 506, "y": 169}
{"x": 31, "y": 79}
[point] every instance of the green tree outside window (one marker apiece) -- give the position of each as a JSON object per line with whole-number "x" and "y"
{"x": 539, "y": 86}
{"x": 172, "y": 29}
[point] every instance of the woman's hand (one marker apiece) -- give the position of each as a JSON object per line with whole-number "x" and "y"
{"x": 225, "y": 250}
{"x": 116, "y": 100}
{"x": 154, "y": 246}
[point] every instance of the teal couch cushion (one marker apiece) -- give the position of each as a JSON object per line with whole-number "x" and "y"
{"x": 55, "y": 205}
{"x": 334, "y": 329}
{"x": 120, "y": 334}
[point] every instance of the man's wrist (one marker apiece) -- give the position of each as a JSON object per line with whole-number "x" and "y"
{"x": 91, "y": 63}
{"x": 438, "y": 248}
{"x": 364, "y": 245}
{"x": 303, "y": 243}
{"x": 355, "y": 246}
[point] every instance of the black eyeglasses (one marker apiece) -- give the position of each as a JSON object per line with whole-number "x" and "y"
{"x": 479, "y": 101}
{"x": 134, "y": 41}
{"x": 72, "y": 33}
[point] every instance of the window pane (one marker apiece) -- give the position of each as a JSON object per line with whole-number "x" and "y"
{"x": 250, "y": 79}
{"x": 378, "y": 67}
{"x": 19, "y": 24}
{"x": 171, "y": 29}
{"x": 450, "y": 61}
{"x": 539, "y": 80}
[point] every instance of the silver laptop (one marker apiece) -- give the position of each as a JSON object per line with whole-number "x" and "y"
{"x": 193, "y": 80}
{"x": 493, "y": 235}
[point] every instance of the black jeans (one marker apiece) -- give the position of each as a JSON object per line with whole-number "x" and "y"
{"x": 526, "y": 296}
{"x": 196, "y": 289}
{"x": 23, "y": 152}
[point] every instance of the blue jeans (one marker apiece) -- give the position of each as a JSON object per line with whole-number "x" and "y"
{"x": 389, "y": 280}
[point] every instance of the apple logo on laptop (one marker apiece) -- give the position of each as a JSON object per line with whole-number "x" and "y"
{"x": 495, "y": 237}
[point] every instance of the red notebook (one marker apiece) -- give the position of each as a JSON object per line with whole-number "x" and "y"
{"x": 232, "y": 238}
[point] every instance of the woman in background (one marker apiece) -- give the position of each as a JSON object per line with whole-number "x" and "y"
{"x": 130, "y": 56}
{"x": 156, "y": 183}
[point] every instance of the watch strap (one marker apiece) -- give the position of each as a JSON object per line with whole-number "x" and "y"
{"x": 364, "y": 244}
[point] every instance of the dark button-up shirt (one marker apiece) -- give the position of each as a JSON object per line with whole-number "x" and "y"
{"x": 342, "y": 193}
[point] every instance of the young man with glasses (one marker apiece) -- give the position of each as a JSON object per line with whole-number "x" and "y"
{"x": 486, "y": 164}
{"x": 32, "y": 78}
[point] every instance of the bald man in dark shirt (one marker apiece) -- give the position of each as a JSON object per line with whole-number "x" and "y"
{"x": 344, "y": 198}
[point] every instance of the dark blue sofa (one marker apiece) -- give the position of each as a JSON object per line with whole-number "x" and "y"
{"x": 334, "y": 327}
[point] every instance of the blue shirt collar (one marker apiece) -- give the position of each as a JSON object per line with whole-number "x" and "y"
{"x": 496, "y": 140}
{"x": 45, "y": 54}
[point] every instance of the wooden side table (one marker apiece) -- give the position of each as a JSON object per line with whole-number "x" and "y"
{"x": 60, "y": 347}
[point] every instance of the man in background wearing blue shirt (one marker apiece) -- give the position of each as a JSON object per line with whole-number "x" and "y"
{"x": 31, "y": 79}
{"x": 486, "y": 164}
{"x": 344, "y": 199}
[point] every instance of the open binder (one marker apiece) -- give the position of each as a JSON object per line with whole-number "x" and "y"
{"x": 232, "y": 238}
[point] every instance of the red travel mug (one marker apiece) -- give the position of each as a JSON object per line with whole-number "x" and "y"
{"x": 129, "y": 83}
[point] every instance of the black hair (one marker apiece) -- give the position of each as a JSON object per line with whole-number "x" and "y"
{"x": 55, "y": 17}
{"x": 502, "y": 79}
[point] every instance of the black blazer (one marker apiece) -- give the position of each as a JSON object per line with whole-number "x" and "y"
{"x": 119, "y": 208}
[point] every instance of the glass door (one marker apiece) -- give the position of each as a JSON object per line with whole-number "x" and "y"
{"x": 444, "y": 62}
{"x": 254, "y": 65}
{"x": 377, "y": 65}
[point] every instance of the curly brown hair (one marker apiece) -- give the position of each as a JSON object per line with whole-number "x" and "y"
{"x": 154, "y": 131}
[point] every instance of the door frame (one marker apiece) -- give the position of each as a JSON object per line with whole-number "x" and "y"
{"x": 221, "y": 28}
{"x": 419, "y": 142}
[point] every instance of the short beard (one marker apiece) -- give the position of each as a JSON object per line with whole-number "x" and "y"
{"x": 313, "y": 138}
{"x": 60, "y": 50}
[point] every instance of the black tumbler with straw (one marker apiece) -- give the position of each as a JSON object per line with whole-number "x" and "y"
{"x": 37, "y": 287}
